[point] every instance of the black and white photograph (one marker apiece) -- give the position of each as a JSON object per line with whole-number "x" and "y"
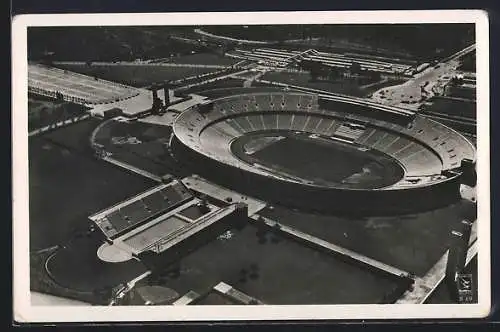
{"x": 251, "y": 166}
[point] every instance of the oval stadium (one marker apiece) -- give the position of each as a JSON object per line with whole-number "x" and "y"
{"x": 321, "y": 153}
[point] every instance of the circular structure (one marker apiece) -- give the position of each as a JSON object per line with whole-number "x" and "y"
{"x": 112, "y": 254}
{"x": 155, "y": 295}
{"x": 333, "y": 152}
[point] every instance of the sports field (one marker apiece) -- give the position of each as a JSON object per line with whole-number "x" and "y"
{"x": 277, "y": 270}
{"x": 77, "y": 267}
{"x": 142, "y": 145}
{"x": 326, "y": 162}
{"x": 228, "y": 82}
{"x": 67, "y": 184}
{"x": 410, "y": 242}
{"x": 138, "y": 75}
{"x": 204, "y": 59}
{"x": 342, "y": 86}
{"x": 224, "y": 92}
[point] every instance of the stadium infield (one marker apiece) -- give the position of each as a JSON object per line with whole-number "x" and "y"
{"x": 325, "y": 162}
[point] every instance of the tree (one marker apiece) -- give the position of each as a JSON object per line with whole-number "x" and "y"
{"x": 316, "y": 70}
{"x": 333, "y": 73}
{"x": 355, "y": 68}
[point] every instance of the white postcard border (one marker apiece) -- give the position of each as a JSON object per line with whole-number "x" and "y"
{"x": 25, "y": 312}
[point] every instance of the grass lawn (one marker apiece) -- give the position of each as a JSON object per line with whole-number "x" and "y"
{"x": 149, "y": 152}
{"x": 343, "y": 87}
{"x": 277, "y": 270}
{"x": 41, "y": 282}
{"x": 43, "y": 111}
{"x": 204, "y": 59}
{"x": 67, "y": 184}
{"x": 410, "y": 242}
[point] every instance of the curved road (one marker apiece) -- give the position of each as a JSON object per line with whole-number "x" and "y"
{"x": 243, "y": 41}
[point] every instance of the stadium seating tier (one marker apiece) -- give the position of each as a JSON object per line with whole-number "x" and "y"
{"x": 424, "y": 149}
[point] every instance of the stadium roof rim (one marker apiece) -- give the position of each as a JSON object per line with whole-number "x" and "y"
{"x": 352, "y": 100}
{"x": 367, "y": 102}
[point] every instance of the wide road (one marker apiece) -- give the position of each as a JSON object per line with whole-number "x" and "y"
{"x": 409, "y": 94}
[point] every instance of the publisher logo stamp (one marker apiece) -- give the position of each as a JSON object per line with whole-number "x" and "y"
{"x": 465, "y": 288}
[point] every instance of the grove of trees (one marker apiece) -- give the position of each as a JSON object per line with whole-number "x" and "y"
{"x": 320, "y": 71}
{"x": 420, "y": 41}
